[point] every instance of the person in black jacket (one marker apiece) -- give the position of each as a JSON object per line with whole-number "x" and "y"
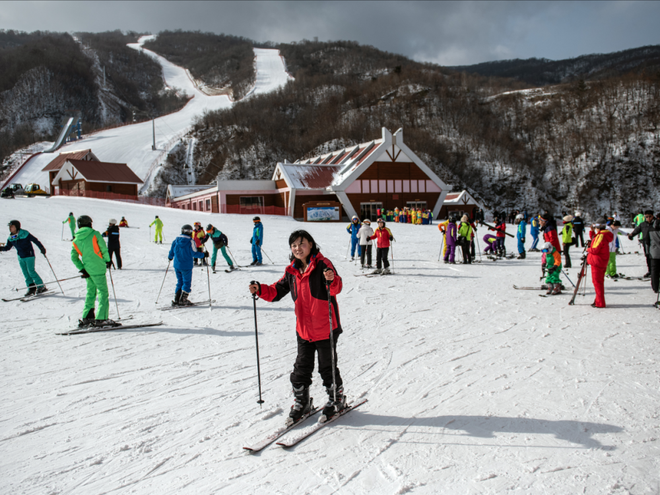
{"x": 22, "y": 240}
{"x": 578, "y": 229}
{"x": 112, "y": 233}
{"x": 654, "y": 253}
{"x": 644, "y": 228}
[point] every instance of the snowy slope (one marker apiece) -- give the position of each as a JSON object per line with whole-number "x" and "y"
{"x": 133, "y": 144}
{"x": 473, "y": 387}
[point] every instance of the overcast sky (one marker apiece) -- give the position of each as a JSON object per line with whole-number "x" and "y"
{"x": 447, "y": 33}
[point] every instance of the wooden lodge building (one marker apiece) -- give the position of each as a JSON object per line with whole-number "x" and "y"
{"x": 76, "y": 177}
{"x": 356, "y": 180}
{"x": 56, "y": 164}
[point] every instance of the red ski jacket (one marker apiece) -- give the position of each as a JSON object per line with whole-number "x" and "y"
{"x": 599, "y": 251}
{"x": 552, "y": 237}
{"x": 383, "y": 237}
{"x": 500, "y": 230}
{"x": 309, "y": 293}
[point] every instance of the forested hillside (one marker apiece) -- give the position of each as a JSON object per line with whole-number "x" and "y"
{"x": 218, "y": 60}
{"x": 593, "y": 145}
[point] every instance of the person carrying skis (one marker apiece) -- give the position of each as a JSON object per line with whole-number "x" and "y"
{"x": 567, "y": 238}
{"x": 90, "y": 256}
{"x": 578, "y": 229}
{"x": 534, "y": 232}
{"x": 450, "y": 241}
{"x": 123, "y": 222}
{"x": 364, "y": 234}
{"x": 598, "y": 257}
{"x": 220, "y": 242}
{"x": 353, "y": 228}
{"x": 520, "y": 235}
{"x": 306, "y": 278}
{"x": 383, "y": 236}
{"x": 643, "y": 228}
{"x": 112, "y": 233}
{"x": 465, "y": 238}
{"x": 159, "y": 229}
{"x": 22, "y": 240}
{"x": 500, "y": 233}
{"x": 71, "y": 220}
{"x": 182, "y": 252}
{"x": 200, "y": 237}
{"x": 552, "y": 268}
{"x": 257, "y": 241}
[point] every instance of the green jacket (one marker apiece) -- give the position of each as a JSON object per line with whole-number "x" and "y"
{"x": 90, "y": 246}
{"x": 158, "y": 222}
{"x": 465, "y": 231}
{"x": 70, "y": 220}
{"x": 567, "y": 233}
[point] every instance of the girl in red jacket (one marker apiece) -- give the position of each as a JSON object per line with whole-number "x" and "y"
{"x": 305, "y": 278}
{"x": 598, "y": 258}
{"x": 383, "y": 236}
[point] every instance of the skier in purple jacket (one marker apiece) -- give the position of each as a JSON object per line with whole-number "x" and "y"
{"x": 450, "y": 239}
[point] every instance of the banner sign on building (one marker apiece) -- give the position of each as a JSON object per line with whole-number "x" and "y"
{"x": 323, "y": 214}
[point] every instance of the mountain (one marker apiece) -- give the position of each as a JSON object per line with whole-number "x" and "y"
{"x": 543, "y": 72}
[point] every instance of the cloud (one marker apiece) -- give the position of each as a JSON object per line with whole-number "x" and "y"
{"x": 448, "y": 33}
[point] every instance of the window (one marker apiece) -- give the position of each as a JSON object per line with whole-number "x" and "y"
{"x": 201, "y": 206}
{"x": 194, "y": 205}
{"x": 247, "y": 201}
{"x": 370, "y": 210}
{"x": 365, "y": 187}
{"x": 208, "y": 205}
{"x": 416, "y": 204}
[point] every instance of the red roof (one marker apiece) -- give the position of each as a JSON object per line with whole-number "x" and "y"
{"x": 57, "y": 163}
{"x": 105, "y": 172}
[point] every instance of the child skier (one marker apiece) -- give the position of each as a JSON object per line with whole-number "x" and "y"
{"x": 598, "y": 257}
{"x": 159, "y": 229}
{"x": 306, "y": 278}
{"x": 22, "y": 240}
{"x": 491, "y": 243}
{"x": 182, "y": 251}
{"x": 450, "y": 241}
{"x": 71, "y": 220}
{"x": 364, "y": 234}
{"x": 383, "y": 236}
{"x": 257, "y": 241}
{"x": 615, "y": 228}
{"x": 220, "y": 242}
{"x": 112, "y": 233}
{"x": 520, "y": 235}
{"x": 90, "y": 255}
{"x": 353, "y": 228}
{"x": 500, "y": 233}
{"x": 567, "y": 238}
{"x": 200, "y": 237}
{"x": 552, "y": 268}
{"x": 534, "y": 232}
{"x": 465, "y": 239}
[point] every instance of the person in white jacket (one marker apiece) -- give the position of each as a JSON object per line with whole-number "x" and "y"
{"x": 615, "y": 228}
{"x": 364, "y": 234}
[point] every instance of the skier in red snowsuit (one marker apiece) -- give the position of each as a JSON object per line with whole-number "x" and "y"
{"x": 598, "y": 257}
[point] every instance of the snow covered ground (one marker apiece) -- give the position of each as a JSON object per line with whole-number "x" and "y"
{"x": 472, "y": 387}
{"x": 132, "y": 144}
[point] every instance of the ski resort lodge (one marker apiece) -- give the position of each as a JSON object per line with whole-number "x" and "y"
{"x": 357, "y": 180}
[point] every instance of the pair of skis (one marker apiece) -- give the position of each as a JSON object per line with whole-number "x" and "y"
{"x": 79, "y": 331}
{"x": 303, "y": 434}
{"x": 193, "y": 305}
{"x": 29, "y": 298}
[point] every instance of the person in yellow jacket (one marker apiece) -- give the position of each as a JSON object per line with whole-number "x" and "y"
{"x": 442, "y": 227}
{"x": 159, "y": 229}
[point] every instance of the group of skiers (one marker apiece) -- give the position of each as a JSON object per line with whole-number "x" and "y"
{"x": 362, "y": 235}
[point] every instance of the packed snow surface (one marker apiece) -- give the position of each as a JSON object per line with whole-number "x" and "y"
{"x": 132, "y": 144}
{"x": 472, "y": 386}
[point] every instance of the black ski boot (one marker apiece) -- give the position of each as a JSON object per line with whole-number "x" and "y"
{"x": 32, "y": 290}
{"x": 87, "y": 321}
{"x": 41, "y": 289}
{"x": 184, "y": 300}
{"x": 332, "y": 407}
{"x": 177, "y": 298}
{"x": 106, "y": 323}
{"x": 301, "y": 406}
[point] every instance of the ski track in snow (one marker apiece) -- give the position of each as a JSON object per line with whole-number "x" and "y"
{"x": 473, "y": 387}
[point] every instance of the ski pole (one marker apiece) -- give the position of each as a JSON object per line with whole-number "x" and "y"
{"x": 256, "y": 338}
{"x": 392, "y": 253}
{"x": 52, "y": 282}
{"x": 115, "y": 294}
{"x": 208, "y": 276}
{"x": 62, "y": 231}
{"x": 332, "y": 343}
{"x": 442, "y": 243}
{"x": 150, "y": 233}
{"x": 271, "y": 261}
{"x": 348, "y": 249}
{"x": 51, "y": 269}
{"x": 232, "y": 256}
{"x": 478, "y": 247}
{"x": 567, "y": 278}
{"x": 161, "y": 285}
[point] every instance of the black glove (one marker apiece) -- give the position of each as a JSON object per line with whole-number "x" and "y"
{"x": 84, "y": 273}
{"x": 258, "y": 243}
{"x": 108, "y": 264}
{"x": 553, "y": 269}
{"x": 630, "y": 237}
{"x": 523, "y": 240}
{"x": 43, "y": 252}
{"x": 250, "y": 240}
{"x": 206, "y": 254}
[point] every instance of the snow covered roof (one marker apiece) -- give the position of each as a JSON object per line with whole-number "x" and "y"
{"x": 306, "y": 176}
{"x": 178, "y": 191}
{"x": 461, "y": 198}
{"x": 57, "y": 163}
{"x": 97, "y": 172}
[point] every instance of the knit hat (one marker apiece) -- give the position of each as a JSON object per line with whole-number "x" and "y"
{"x": 601, "y": 223}
{"x": 464, "y": 218}
{"x": 367, "y": 221}
{"x": 112, "y": 221}
{"x": 568, "y": 218}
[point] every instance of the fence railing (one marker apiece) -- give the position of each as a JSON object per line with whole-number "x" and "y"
{"x": 254, "y": 210}
{"x": 145, "y": 200}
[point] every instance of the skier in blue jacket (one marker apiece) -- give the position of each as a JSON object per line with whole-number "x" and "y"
{"x": 534, "y": 232}
{"x": 257, "y": 241}
{"x": 22, "y": 240}
{"x": 183, "y": 251}
{"x": 522, "y": 231}
{"x": 353, "y": 228}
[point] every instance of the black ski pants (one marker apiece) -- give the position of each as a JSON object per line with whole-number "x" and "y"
{"x": 465, "y": 249}
{"x": 381, "y": 258}
{"x": 579, "y": 235}
{"x": 655, "y": 274}
{"x": 117, "y": 254}
{"x": 304, "y": 365}
{"x": 366, "y": 250}
{"x": 567, "y": 256}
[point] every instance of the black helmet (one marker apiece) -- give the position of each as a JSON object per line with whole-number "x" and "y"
{"x": 156, "y": 216}
{"x": 256, "y": 219}
{"x": 187, "y": 229}
{"x": 70, "y": 213}
{"x": 16, "y": 224}
{"x": 209, "y": 228}
{"x": 84, "y": 221}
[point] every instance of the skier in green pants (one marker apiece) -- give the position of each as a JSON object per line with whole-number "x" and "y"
{"x": 90, "y": 255}
{"x": 22, "y": 240}
{"x": 159, "y": 229}
{"x": 72, "y": 224}
{"x": 220, "y": 242}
